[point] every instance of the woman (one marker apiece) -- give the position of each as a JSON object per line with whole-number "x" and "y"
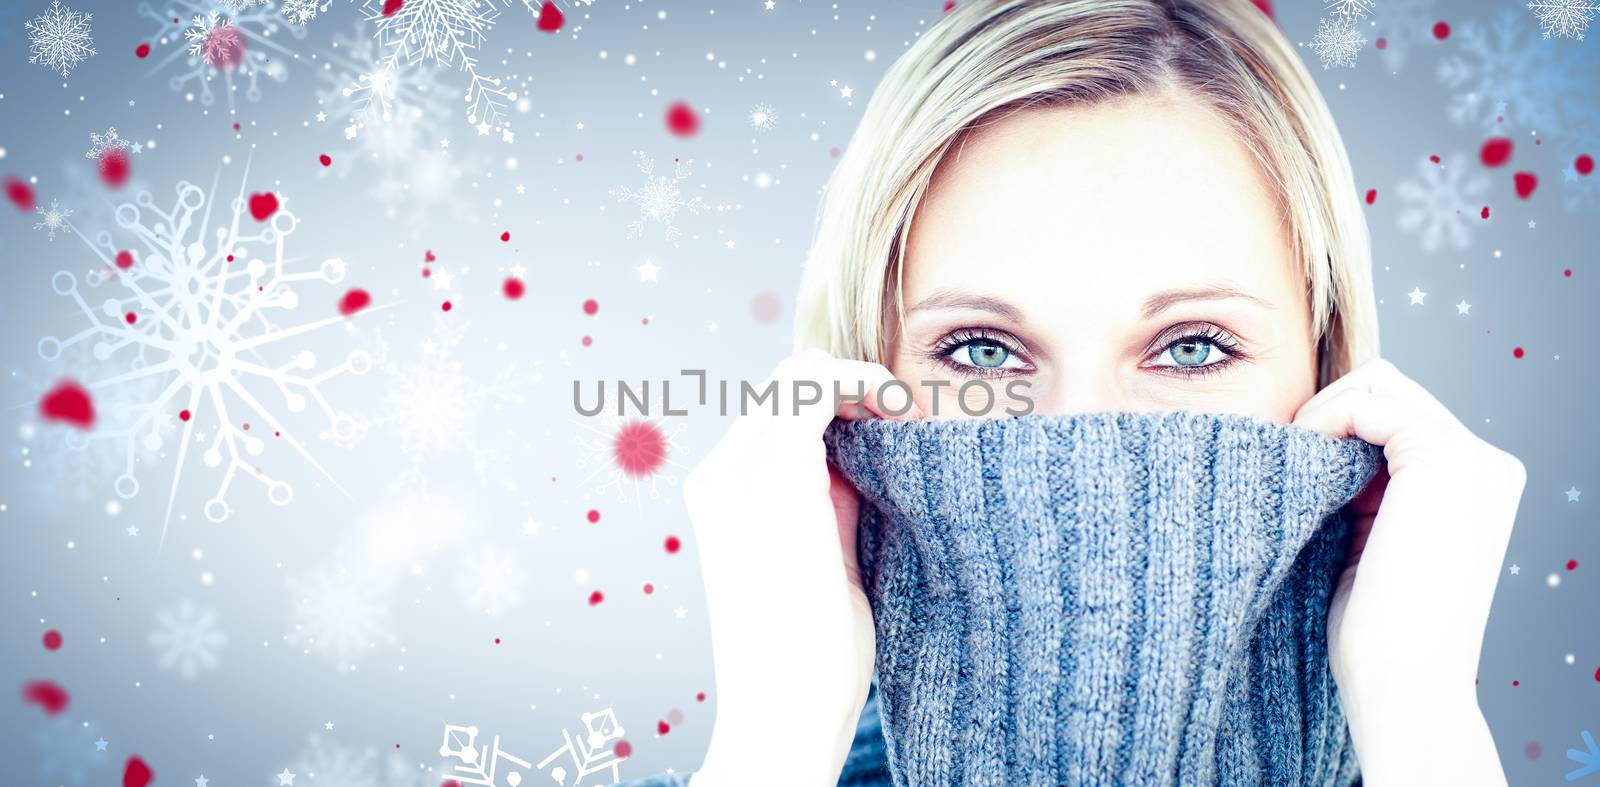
{"x": 1136, "y": 205}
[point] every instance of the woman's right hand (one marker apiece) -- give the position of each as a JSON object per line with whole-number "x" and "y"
{"x": 791, "y": 631}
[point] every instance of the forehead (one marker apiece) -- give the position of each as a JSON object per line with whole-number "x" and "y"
{"x": 1089, "y": 207}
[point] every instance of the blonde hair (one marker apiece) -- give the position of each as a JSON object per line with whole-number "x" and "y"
{"x": 990, "y": 56}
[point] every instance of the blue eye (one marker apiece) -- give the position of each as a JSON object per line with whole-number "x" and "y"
{"x": 978, "y": 352}
{"x": 1197, "y": 353}
{"x": 987, "y": 354}
{"x": 1190, "y": 352}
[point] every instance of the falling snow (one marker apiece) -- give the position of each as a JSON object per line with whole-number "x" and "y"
{"x": 59, "y": 39}
{"x": 449, "y": 34}
{"x": 341, "y": 612}
{"x": 1442, "y": 203}
{"x": 100, "y": 144}
{"x": 208, "y": 333}
{"x": 253, "y": 38}
{"x": 299, "y": 12}
{"x": 763, "y": 117}
{"x": 188, "y": 640}
{"x": 1504, "y": 76}
{"x": 1564, "y": 18}
{"x": 1351, "y": 9}
{"x": 1337, "y": 42}
{"x": 660, "y": 199}
{"x": 52, "y": 220}
{"x": 627, "y": 456}
{"x": 215, "y": 40}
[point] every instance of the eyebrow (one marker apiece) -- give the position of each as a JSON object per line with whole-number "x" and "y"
{"x": 1155, "y": 304}
{"x": 955, "y": 299}
{"x": 1165, "y": 299}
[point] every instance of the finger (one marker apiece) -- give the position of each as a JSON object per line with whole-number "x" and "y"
{"x": 1357, "y": 412}
{"x": 806, "y": 387}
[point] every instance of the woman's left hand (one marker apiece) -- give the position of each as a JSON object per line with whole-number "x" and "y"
{"x": 1406, "y": 622}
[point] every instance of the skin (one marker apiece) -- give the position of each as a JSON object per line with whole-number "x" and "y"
{"x": 1066, "y": 247}
{"x": 1062, "y": 248}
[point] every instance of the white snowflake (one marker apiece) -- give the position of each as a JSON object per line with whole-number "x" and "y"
{"x": 342, "y": 611}
{"x": 391, "y": 117}
{"x": 1351, "y": 9}
{"x": 1441, "y": 205}
{"x": 240, "y": 5}
{"x": 188, "y": 639}
{"x": 449, "y": 34}
{"x": 100, "y": 144}
{"x": 490, "y": 581}
{"x": 205, "y": 299}
{"x": 763, "y": 117}
{"x": 54, "y": 219}
{"x": 661, "y": 197}
{"x": 59, "y": 38}
{"x": 631, "y": 453}
{"x": 432, "y": 404}
{"x": 1507, "y": 77}
{"x": 1337, "y": 42}
{"x": 333, "y": 764}
{"x": 239, "y": 51}
{"x": 1565, "y": 18}
{"x": 299, "y": 12}
{"x": 215, "y": 40}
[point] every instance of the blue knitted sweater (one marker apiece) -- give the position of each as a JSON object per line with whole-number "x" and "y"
{"x": 1102, "y": 598}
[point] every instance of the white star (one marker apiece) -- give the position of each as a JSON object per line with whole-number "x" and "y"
{"x": 1572, "y": 494}
{"x": 730, "y": 244}
{"x": 1515, "y": 568}
{"x": 680, "y": 612}
{"x": 507, "y": 135}
{"x": 350, "y": 132}
{"x": 442, "y": 279}
{"x": 712, "y": 327}
{"x": 322, "y": 116}
{"x": 517, "y": 271}
{"x": 483, "y": 129}
{"x": 328, "y": 726}
{"x": 647, "y": 271}
{"x": 133, "y": 530}
{"x": 285, "y": 778}
{"x": 100, "y": 745}
{"x": 1462, "y": 307}
{"x": 1531, "y": 224}
{"x": 580, "y": 125}
{"x": 522, "y": 189}
{"x": 845, "y": 91}
{"x": 444, "y": 142}
{"x": 770, "y": 4}
{"x": 833, "y": 83}
{"x": 1416, "y": 296}
{"x": 531, "y": 527}
{"x": 428, "y": 347}
{"x": 202, "y": 781}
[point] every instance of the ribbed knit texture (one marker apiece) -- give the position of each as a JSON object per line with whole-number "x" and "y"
{"x": 1105, "y": 598}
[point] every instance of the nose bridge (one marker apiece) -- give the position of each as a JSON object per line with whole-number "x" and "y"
{"x": 1086, "y": 385}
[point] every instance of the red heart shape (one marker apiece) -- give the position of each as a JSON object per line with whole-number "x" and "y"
{"x": 262, "y": 206}
{"x": 550, "y": 17}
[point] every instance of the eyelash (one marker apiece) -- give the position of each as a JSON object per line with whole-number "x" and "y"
{"x": 963, "y": 336}
{"x": 1211, "y": 334}
{"x": 1214, "y": 336}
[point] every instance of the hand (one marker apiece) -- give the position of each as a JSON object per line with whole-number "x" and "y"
{"x": 791, "y": 630}
{"x": 1406, "y": 622}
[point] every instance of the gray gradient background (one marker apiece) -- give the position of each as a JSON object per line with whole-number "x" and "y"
{"x": 508, "y": 447}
